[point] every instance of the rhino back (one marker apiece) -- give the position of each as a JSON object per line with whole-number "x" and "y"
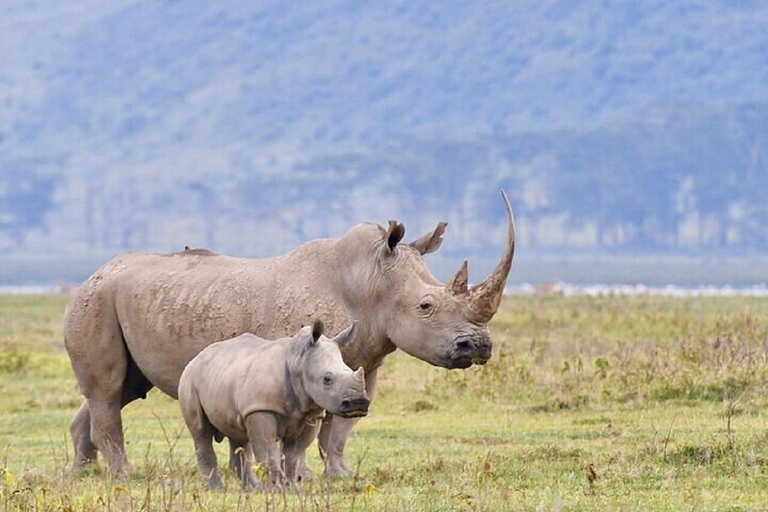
{"x": 172, "y": 306}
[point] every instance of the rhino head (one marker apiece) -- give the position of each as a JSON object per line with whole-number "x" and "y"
{"x": 445, "y": 324}
{"x": 330, "y": 383}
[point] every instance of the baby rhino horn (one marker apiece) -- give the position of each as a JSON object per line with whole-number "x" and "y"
{"x": 360, "y": 374}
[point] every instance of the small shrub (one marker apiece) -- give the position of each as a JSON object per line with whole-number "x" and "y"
{"x": 422, "y": 405}
{"x": 13, "y": 360}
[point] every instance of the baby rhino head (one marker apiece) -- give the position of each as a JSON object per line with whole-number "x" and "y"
{"x": 332, "y": 384}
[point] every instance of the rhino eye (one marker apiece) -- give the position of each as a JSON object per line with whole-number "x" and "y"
{"x": 327, "y": 380}
{"x": 426, "y": 306}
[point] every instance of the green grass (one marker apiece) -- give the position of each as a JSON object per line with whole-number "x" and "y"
{"x": 664, "y": 398}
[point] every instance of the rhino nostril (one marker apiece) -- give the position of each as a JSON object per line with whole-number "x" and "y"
{"x": 463, "y": 345}
{"x": 345, "y": 404}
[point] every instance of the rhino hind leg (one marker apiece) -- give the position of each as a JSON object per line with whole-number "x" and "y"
{"x": 240, "y": 462}
{"x": 94, "y": 340}
{"x": 203, "y": 433}
{"x": 206, "y": 457}
{"x": 80, "y": 429}
{"x": 135, "y": 385}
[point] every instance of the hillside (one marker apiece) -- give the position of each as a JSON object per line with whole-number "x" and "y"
{"x": 617, "y": 127}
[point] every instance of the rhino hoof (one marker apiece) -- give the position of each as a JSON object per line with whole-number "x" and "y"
{"x": 271, "y": 487}
{"x": 85, "y": 468}
{"x": 304, "y": 475}
{"x": 250, "y": 484}
{"x": 337, "y": 471}
{"x": 214, "y": 484}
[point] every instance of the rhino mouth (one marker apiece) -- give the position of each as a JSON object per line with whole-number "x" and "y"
{"x": 460, "y": 363}
{"x": 354, "y": 408}
{"x": 353, "y": 414}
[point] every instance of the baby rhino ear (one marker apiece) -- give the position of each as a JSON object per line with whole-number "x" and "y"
{"x": 317, "y": 331}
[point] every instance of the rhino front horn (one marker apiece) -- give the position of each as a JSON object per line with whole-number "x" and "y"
{"x": 484, "y": 299}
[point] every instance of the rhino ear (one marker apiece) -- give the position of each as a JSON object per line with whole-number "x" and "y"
{"x": 395, "y": 233}
{"x": 317, "y": 331}
{"x": 345, "y": 336}
{"x": 431, "y": 241}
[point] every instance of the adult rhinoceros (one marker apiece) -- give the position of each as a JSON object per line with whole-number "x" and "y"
{"x": 141, "y": 318}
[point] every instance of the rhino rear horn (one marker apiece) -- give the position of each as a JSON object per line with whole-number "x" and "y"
{"x": 317, "y": 330}
{"x": 431, "y": 241}
{"x": 485, "y": 298}
{"x": 458, "y": 283}
{"x": 346, "y": 336}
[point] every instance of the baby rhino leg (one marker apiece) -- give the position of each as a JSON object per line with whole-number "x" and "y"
{"x": 295, "y": 450}
{"x": 240, "y": 461}
{"x": 202, "y": 434}
{"x": 262, "y": 436}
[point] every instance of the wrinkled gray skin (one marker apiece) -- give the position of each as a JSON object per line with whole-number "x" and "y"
{"x": 259, "y": 393}
{"x": 141, "y": 318}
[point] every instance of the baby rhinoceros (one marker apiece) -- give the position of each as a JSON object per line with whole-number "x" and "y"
{"x": 263, "y": 393}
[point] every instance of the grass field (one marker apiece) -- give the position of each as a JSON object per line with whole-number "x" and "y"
{"x": 613, "y": 403}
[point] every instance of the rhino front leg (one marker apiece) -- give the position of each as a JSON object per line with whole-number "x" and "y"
{"x": 80, "y": 429}
{"x": 334, "y": 433}
{"x": 262, "y": 435}
{"x": 332, "y": 439}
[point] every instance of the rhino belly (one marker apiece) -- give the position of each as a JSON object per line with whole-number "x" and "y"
{"x": 162, "y": 364}
{"x": 221, "y": 410}
{"x": 162, "y": 353}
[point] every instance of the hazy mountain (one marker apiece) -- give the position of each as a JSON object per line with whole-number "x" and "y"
{"x": 617, "y": 127}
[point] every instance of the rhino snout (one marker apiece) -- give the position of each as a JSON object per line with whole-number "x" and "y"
{"x": 469, "y": 350}
{"x": 354, "y": 408}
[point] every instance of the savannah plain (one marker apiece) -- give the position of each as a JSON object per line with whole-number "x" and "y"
{"x": 589, "y": 403}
